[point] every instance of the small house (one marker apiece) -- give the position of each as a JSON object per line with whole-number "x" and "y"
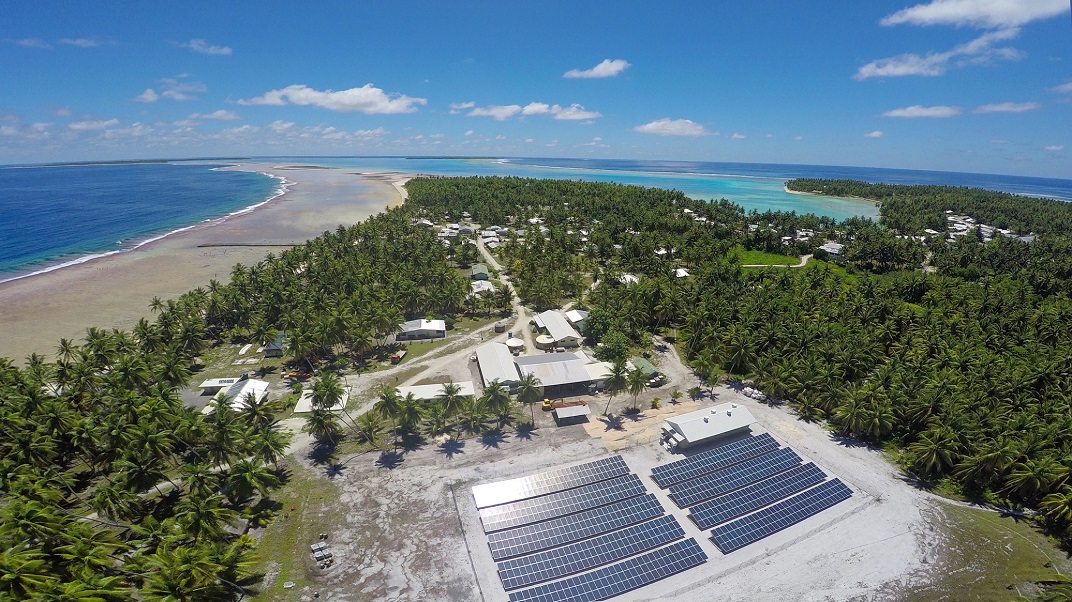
{"x": 479, "y": 271}
{"x": 277, "y": 347}
{"x": 415, "y": 330}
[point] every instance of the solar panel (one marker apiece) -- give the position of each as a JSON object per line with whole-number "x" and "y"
{"x": 737, "y": 476}
{"x": 754, "y": 527}
{"x": 562, "y": 503}
{"x": 713, "y": 459}
{"x": 502, "y": 492}
{"x": 568, "y": 529}
{"x": 755, "y": 496}
{"x": 588, "y": 554}
{"x": 616, "y": 579}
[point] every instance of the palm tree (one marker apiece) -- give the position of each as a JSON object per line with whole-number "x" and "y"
{"x": 529, "y": 392}
{"x": 615, "y": 382}
{"x": 1058, "y": 505}
{"x": 497, "y": 400}
{"x": 473, "y": 415}
{"x": 436, "y": 420}
{"x": 25, "y": 571}
{"x": 205, "y": 517}
{"x": 247, "y": 476}
{"x": 451, "y": 398}
{"x": 389, "y": 405}
{"x": 323, "y": 425}
{"x": 370, "y": 427}
{"x": 638, "y": 382}
{"x": 409, "y": 414}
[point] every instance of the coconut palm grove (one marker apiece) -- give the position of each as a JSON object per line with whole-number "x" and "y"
{"x": 953, "y": 352}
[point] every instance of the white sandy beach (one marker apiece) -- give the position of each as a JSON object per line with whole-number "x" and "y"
{"x": 114, "y": 291}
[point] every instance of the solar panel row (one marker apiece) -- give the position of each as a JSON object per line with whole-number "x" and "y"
{"x": 713, "y": 459}
{"x": 753, "y": 527}
{"x": 588, "y": 554}
{"x": 755, "y": 496}
{"x": 553, "y": 505}
{"x": 616, "y": 579}
{"x": 717, "y": 483}
{"x": 503, "y": 492}
{"x": 568, "y": 529}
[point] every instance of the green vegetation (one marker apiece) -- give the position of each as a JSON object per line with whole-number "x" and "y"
{"x": 746, "y": 257}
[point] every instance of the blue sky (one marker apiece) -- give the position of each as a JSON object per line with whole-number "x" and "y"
{"x": 959, "y": 85}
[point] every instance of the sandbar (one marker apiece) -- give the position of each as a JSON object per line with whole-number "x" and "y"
{"x": 115, "y": 291}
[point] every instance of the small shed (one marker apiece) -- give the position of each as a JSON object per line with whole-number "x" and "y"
{"x": 691, "y": 429}
{"x": 571, "y": 414}
{"x": 516, "y": 346}
{"x": 277, "y": 347}
{"x": 479, "y": 271}
{"x": 644, "y": 366}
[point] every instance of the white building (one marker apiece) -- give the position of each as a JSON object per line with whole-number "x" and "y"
{"x": 577, "y": 317}
{"x": 496, "y": 363}
{"x": 694, "y": 428}
{"x": 237, "y": 394}
{"x": 558, "y": 327}
{"x": 681, "y": 273}
{"x": 431, "y": 392}
{"x": 833, "y": 248}
{"x": 305, "y": 402}
{"x": 414, "y": 330}
{"x": 555, "y": 369}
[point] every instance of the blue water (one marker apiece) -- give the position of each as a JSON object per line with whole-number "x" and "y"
{"x": 58, "y": 215}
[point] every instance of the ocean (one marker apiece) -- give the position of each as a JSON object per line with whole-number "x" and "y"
{"x": 60, "y": 215}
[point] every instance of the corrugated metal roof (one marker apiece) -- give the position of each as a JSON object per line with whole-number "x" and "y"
{"x": 557, "y": 326}
{"x": 571, "y": 411}
{"x": 496, "y": 362}
{"x": 710, "y": 422}
{"x": 554, "y": 368}
{"x": 430, "y": 392}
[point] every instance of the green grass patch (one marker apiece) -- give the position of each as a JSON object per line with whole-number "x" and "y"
{"x": 991, "y": 557}
{"x": 763, "y": 258}
{"x": 287, "y": 538}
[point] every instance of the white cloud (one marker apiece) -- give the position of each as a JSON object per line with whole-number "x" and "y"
{"x": 63, "y": 112}
{"x": 607, "y": 68}
{"x": 497, "y": 112}
{"x": 437, "y": 136}
{"x": 32, "y": 43}
{"x": 220, "y": 115}
{"x": 1063, "y": 88}
{"x": 874, "y": 134}
{"x": 1009, "y": 107}
{"x": 372, "y": 133}
{"x": 672, "y": 127}
{"x": 552, "y": 143}
{"x": 80, "y": 42}
{"x": 458, "y": 107}
{"x": 367, "y": 99}
{"x": 82, "y": 126}
{"x": 243, "y": 130}
{"x": 986, "y": 14}
{"x": 574, "y": 112}
{"x": 529, "y": 140}
{"x": 469, "y": 132}
{"x": 203, "y": 47}
{"x": 999, "y": 141}
{"x": 185, "y": 123}
{"x": 917, "y": 111}
{"x": 149, "y": 95}
{"x": 500, "y": 137}
{"x": 136, "y": 130}
{"x": 1055, "y": 147}
{"x": 737, "y": 136}
{"x": 798, "y": 137}
{"x": 979, "y": 51}
{"x": 279, "y": 126}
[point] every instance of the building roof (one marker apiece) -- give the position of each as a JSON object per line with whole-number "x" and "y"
{"x": 834, "y": 248}
{"x": 554, "y": 368}
{"x": 576, "y": 315}
{"x": 572, "y": 411}
{"x": 305, "y": 402}
{"x": 709, "y": 422}
{"x": 218, "y": 383}
{"x": 557, "y": 325}
{"x": 598, "y": 371}
{"x": 681, "y": 273}
{"x": 643, "y": 365}
{"x": 430, "y": 392}
{"x": 479, "y": 268}
{"x": 482, "y": 286}
{"x": 496, "y": 363}
{"x": 415, "y": 325}
{"x": 236, "y": 394}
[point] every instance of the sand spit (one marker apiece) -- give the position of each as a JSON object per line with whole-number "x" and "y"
{"x": 114, "y": 291}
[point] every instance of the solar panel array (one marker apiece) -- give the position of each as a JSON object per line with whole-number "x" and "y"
{"x": 618, "y": 578}
{"x": 713, "y": 459}
{"x": 589, "y": 553}
{"x": 553, "y": 505}
{"x": 755, "y": 496}
{"x": 586, "y": 532}
{"x": 568, "y": 529}
{"x": 728, "y": 479}
{"x": 502, "y": 492}
{"x": 753, "y": 527}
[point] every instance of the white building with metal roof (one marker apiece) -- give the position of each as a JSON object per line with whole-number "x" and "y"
{"x": 497, "y": 363}
{"x": 693, "y": 428}
{"x": 431, "y": 392}
{"x": 554, "y": 369}
{"x": 237, "y": 394}
{"x": 559, "y": 328}
{"x": 421, "y": 329}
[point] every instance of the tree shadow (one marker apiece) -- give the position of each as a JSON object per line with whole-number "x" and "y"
{"x": 324, "y": 452}
{"x": 525, "y": 431}
{"x": 335, "y": 469}
{"x": 390, "y": 460}
{"x": 852, "y": 442}
{"x": 614, "y": 422}
{"x": 634, "y": 414}
{"x": 411, "y": 442}
{"x": 451, "y": 448}
{"x": 492, "y": 438}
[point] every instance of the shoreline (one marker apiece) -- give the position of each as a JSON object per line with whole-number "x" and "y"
{"x": 853, "y": 198}
{"x": 113, "y": 289}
